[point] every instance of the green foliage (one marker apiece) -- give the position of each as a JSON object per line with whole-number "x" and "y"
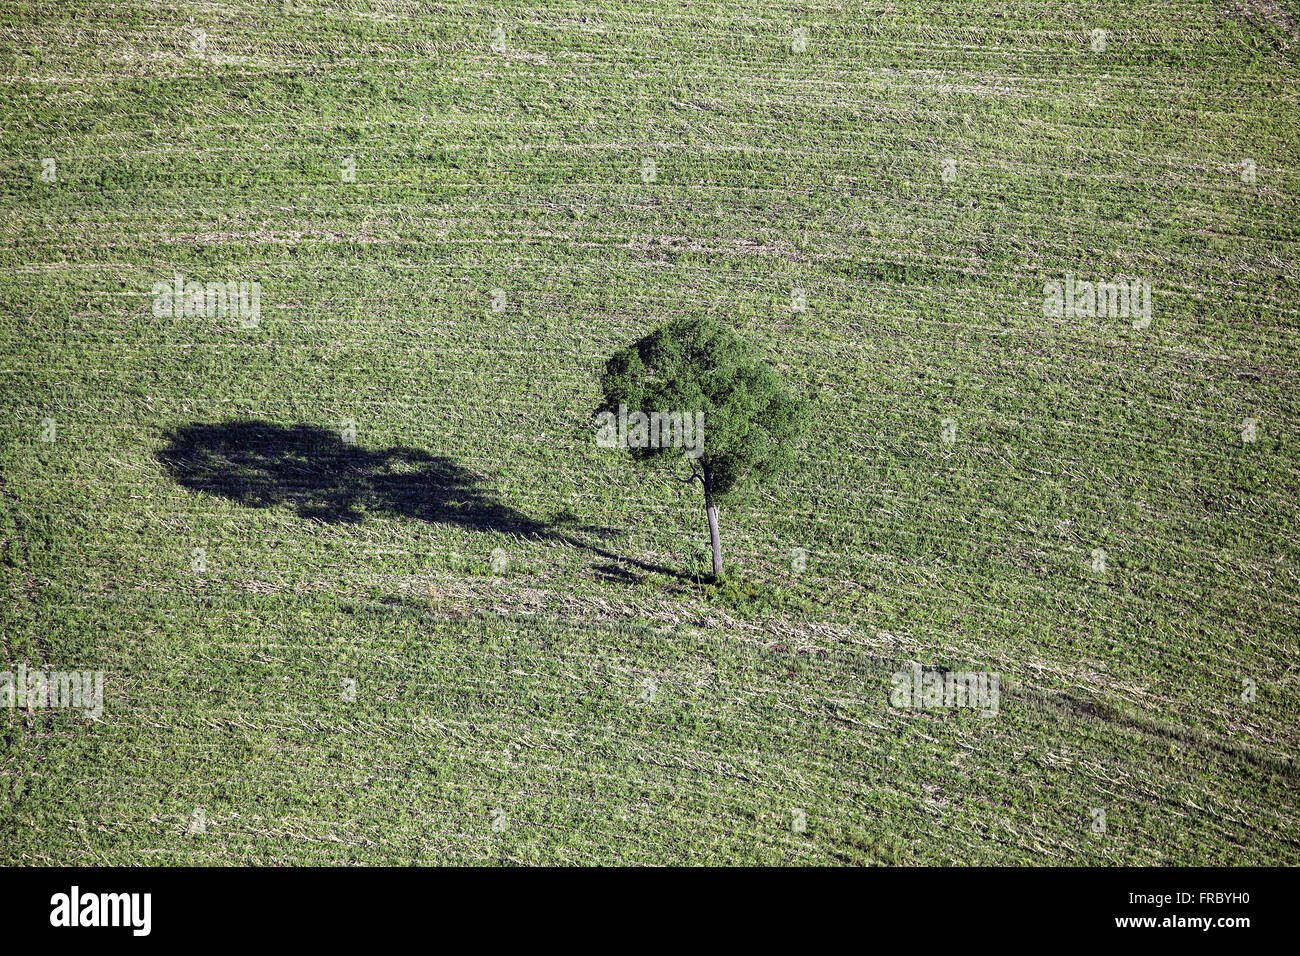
{"x": 698, "y": 365}
{"x": 748, "y": 598}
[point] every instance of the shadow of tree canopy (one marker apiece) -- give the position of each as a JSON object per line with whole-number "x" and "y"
{"x": 317, "y": 474}
{"x": 320, "y": 476}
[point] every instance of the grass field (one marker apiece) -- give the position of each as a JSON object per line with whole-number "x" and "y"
{"x": 473, "y": 636}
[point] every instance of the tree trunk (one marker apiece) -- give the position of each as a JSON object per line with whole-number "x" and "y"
{"x": 711, "y": 511}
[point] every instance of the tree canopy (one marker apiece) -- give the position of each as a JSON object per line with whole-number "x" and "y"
{"x": 699, "y": 365}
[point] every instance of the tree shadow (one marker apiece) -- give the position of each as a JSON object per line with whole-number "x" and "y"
{"x": 320, "y": 476}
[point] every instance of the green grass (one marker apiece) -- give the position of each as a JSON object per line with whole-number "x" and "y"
{"x": 595, "y": 695}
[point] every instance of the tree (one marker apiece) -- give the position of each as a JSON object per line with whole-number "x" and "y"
{"x": 693, "y": 387}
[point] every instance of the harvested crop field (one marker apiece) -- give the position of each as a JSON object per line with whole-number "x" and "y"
{"x": 364, "y": 590}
